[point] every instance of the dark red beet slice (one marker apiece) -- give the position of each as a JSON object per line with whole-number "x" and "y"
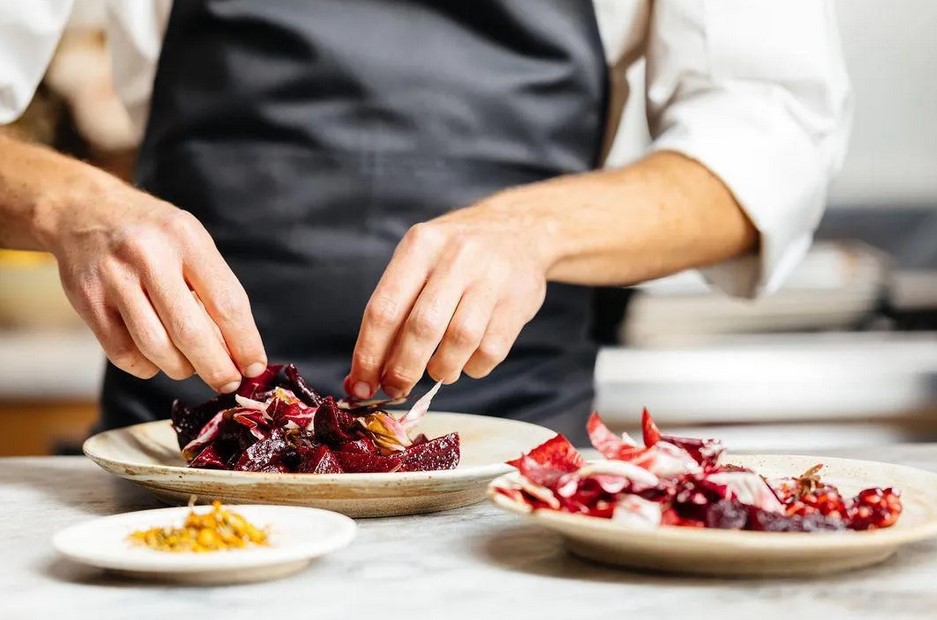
{"x": 299, "y": 386}
{"x": 332, "y": 425}
{"x": 208, "y": 458}
{"x": 318, "y": 459}
{"x": 261, "y": 383}
{"x": 365, "y": 445}
{"x": 435, "y": 454}
{"x": 364, "y": 463}
{"x": 555, "y": 453}
{"x": 266, "y": 454}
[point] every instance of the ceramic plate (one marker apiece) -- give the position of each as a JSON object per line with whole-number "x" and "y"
{"x": 727, "y": 552}
{"x": 149, "y": 455}
{"x": 297, "y": 535}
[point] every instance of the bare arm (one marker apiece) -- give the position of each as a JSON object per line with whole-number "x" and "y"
{"x": 143, "y": 274}
{"x": 460, "y": 287}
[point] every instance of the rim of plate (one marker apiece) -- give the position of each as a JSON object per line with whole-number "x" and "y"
{"x": 739, "y": 539}
{"x": 470, "y": 472}
{"x": 131, "y": 558}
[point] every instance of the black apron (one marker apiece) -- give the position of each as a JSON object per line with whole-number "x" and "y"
{"x": 309, "y": 136}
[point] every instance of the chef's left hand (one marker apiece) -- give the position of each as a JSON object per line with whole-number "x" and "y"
{"x": 453, "y": 299}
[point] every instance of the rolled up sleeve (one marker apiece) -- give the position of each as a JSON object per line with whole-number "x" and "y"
{"x": 756, "y": 91}
{"x": 29, "y": 33}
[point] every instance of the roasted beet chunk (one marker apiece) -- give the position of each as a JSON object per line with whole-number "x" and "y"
{"x": 261, "y": 383}
{"x": 318, "y": 460}
{"x": 300, "y": 387}
{"x": 334, "y": 426}
{"x": 435, "y": 454}
{"x": 362, "y": 462}
{"x": 727, "y": 515}
{"x": 266, "y": 455}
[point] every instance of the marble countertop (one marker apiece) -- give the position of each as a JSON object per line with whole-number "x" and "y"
{"x": 471, "y": 563}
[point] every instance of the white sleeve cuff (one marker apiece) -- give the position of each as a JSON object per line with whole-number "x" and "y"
{"x": 770, "y": 165}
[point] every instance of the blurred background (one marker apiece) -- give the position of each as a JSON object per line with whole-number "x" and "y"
{"x": 844, "y": 355}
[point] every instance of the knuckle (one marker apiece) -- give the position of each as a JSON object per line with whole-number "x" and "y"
{"x": 135, "y": 245}
{"x": 182, "y": 224}
{"x": 463, "y": 335}
{"x": 381, "y": 312}
{"x": 229, "y": 304}
{"x": 151, "y": 341}
{"x": 366, "y": 362}
{"x": 422, "y": 234}
{"x": 492, "y": 350}
{"x": 424, "y": 324}
{"x": 403, "y": 378}
{"x": 186, "y": 334}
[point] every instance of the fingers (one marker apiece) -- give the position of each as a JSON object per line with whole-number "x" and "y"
{"x": 422, "y": 331}
{"x": 118, "y": 345}
{"x": 226, "y": 303}
{"x": 463, "y": 335}
{"x": 506, "y": 324}
{"x": 192, "y": 333}
{"x": 388, "y": 308}
{"x": 148, "y": 333}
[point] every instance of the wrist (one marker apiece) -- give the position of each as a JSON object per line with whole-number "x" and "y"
{"x": 529, "y": 215}
{"x": 67, "y": 207}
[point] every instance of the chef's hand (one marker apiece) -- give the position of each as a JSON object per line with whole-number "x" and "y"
{"x": 148, "y": 279}
{"x": 460, "y": 287}
{"x": 453, "y": 299}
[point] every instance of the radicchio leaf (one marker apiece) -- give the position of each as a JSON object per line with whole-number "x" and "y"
{"x": 420, "y": 407}
{"x": 555, "y": 453}
{"x": 388, "y": 434}
{"x": 208, "y": 434}
{"x": 748, "y": 488}
{"x": 636, "y": 512}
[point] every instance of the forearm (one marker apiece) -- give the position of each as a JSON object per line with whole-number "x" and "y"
{"x": 36, "y": 183}
{"x": 661, "y": 215}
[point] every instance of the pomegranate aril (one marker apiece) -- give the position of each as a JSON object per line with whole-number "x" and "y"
{"x": 874, "y": 508}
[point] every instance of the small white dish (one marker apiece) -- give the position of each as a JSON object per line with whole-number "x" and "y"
{"x": 296, "y": 536}
{"x": 714, "y": 552}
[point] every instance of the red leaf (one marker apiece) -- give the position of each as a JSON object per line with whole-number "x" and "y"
{"x": 556, "y": 453}
{"x": 649, "y": 430}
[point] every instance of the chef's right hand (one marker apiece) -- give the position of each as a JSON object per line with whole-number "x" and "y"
{"x": 148, "y": 279}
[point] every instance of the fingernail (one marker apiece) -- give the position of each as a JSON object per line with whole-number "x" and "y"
{"x": 230, "y": 387}
{"x": 254, "y": 370}
{"x": 361, "y": 390}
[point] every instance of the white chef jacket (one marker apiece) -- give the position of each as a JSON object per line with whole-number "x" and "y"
{"x": 756, "y": 90}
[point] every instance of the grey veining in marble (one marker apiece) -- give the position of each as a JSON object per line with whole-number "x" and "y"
{"x": 469, "y": 563}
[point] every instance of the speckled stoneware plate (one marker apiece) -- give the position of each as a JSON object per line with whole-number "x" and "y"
{"x": 756, "y": 554}
{"x": 149, "y": 455}
{"x": 296, "y": 536}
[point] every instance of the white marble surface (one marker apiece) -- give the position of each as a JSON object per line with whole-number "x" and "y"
{"x": 469, "y": 563}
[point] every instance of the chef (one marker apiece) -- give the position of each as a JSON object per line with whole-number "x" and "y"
{"x": 388, "y": 190}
